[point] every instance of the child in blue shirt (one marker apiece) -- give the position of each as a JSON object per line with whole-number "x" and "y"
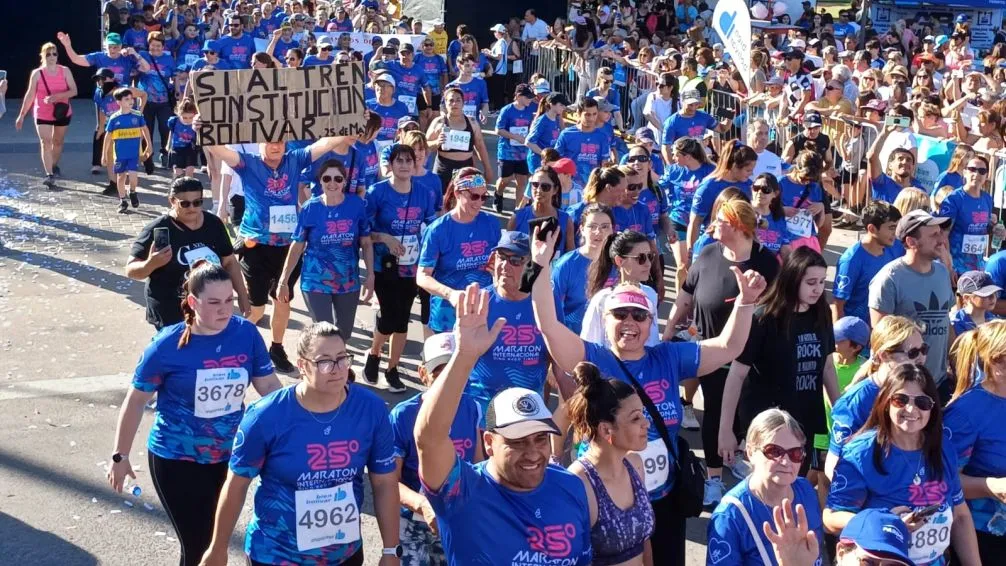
{"x": 182, "y": 140}
{"x": 862, "y": 260}
{"x": 125, "y": 130}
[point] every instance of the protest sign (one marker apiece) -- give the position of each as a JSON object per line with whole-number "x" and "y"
{"x": 272, "y": 105}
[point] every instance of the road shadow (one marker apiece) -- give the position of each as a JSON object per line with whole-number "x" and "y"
{"x": 66, "y": 226}
{"x": 23, "y": 544}
{"x": 107, "y": 280}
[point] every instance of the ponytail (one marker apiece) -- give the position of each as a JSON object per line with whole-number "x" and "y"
{"x": 617, "y": 244}
{"x": 964, "y": 360}
{"x": 595, "y": 400}
{"x": 201, "y": 273}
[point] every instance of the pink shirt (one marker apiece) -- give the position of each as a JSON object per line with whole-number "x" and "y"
{"x": 57, "y": 84}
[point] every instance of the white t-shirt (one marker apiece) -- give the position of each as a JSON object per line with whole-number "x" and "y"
{"x": 662, "y": 108}
{"x": 593, "y": 318}
{"x": 768, "y": 162}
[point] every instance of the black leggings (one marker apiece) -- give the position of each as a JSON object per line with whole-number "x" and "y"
{"x": 668, "y": 540}
{"x": 395, "y": 295}
{"x": 189, "y": 491}
{"x": 354, "y": 560}
{"x": 97, "y": 144}
{"x": 712, "y": 399}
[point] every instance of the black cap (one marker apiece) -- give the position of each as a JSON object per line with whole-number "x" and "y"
{"x": 103, "y": 73}
{"x": 557, "y": 98}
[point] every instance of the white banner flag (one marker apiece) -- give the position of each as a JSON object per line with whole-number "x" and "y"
{"x": 360, "y": 41}
{"x": 733, "y": 22}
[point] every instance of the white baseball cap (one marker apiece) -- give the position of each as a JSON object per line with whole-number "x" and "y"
{"x": 385, "y": 78}
{"x": 437, "y": 350}
{"x": 517, "y": 413}
{"x": 498, "y": 28}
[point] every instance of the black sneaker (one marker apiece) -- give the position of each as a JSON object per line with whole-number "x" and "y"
{"x": 395, "y": 384}
{"x": 111, "y": 190}
{"x": 49, "y": 182}
{"x": 134, "y": 199}
{"x": 148, "y": 166}
{"x": 371, "y": 368}
{"x": 56, "y": 171}
{"x": 123, "y": 206}
{"x": 499, "y": 203}
{"x": 279, "y": 359}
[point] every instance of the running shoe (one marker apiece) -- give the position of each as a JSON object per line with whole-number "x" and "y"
{"x": 688, "y": 421}
{"x": 49, "y": 182}
{"x": 713, "y": 492}
{"x": 741, "y": 468}
{"x": 498, "y": 198}
{"x": 395, "y": 384}
{"x": 134, "y": 199}
{"x": 96, "y": 170}
{"x": 111, "y": 190}
{"x": 279, "y": 359}
{"x": 123, "y": 206}
{"x": 164, "y": 160}
{"x": 371, "y": 368}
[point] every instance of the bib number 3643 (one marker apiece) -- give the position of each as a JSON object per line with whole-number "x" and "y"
{"x": 326, "y": 517}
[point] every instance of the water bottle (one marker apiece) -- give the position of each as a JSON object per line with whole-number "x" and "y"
{"x": 690, "y": 334}
{"x": 136, "y": 491}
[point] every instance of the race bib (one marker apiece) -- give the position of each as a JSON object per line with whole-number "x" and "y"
{"x": 191, "y": 58}
{"x": 470, "y": 110}
{"x": 518, "y": 131}
{"x": 411, "y": 255}
{"x": 656, "y": 464}
{"x": 326, "y": 517}
{"x": 457, "y": 140}
{"x": 801, "y": 224}
{"x": 282, "y": 219}
{"x": 932, "y": 539}
{"x": 219, "y": 391}
{"x": 974, "y": 244}
{"x": 409, "y": 101}
{"x": 204, "y": 252}
{"x": 518, "y": 67}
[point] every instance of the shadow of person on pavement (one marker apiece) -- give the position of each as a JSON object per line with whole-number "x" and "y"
{"x": 24, "y": 544}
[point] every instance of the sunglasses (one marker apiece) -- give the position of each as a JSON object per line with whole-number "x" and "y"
{"x": 637, "y": 315}
{"x": 543, "y": 187}
{"x": 913, "y": 353}
{"x": 643, "y": 258}
{"x": 979, "y": 170}
{"x": 921, "y": 402}
{"x": 187, "y": 203}
{"x": 50, "y": 54}
{"x": 635, "y": 187}
{"x": 427, "y": 45}
{"x": 638, "y": 159}
{"x": 326, "y": 48}
{"x": 763, "y": 189}
{"x": 235, "y": 25}
{"x": 514, "y": 260}
{"x": 478, "y": 196}
{"x": 330, "y": 178}
{"x": 776, "y": 452}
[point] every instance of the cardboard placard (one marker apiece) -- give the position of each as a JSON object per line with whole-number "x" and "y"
{"x": 273, "y": 105}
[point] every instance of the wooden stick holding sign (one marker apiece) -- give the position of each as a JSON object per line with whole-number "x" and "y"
{"x": 274, "y": 105}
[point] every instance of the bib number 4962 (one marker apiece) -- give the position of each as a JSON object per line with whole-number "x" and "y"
{"x": 327, "y": 516}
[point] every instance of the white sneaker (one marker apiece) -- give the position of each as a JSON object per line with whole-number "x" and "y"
{"x": 688, "y": 421}
{"x": 741, "y": 468}
{"x": 713, "y": 492}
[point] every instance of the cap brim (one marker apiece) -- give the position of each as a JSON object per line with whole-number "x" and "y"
{"x": 523, "y": 429}
{"x": 987, "y": 291}
{"x": 691, "y": 100}
{"x": 891, "y": 554}
{"x": 436, "y": 362}
{"x": 514, "y": 249}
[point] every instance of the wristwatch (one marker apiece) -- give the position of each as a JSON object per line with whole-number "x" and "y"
{"x": 117, "y": 457}
{"x": 395, "y": 551}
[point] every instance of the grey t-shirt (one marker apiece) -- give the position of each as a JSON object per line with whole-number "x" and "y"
{"x": 925, "y": 298}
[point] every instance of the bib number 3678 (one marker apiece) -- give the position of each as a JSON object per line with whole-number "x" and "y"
{"x": 326, "y": 517}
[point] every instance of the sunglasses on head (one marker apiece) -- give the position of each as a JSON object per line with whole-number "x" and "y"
{"x": 330, "y": 178}
{"x": 623, "y": 313}
{"x": 635, "y": 187}
{"x": 921, "y": 402}
{"x": 913, "y": 353}
{"x": 776, "y": 452}
{"x": 643, "y": 258}
{"x": 542, "y": 186}
{"x": 979, "y": 170}
{"x": 187, "y": 203}
{"x": 638, "y": 159}
{"x": 763, "y": 188}
{"x": 514, "y": 260}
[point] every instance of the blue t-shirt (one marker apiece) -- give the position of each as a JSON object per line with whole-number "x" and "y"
{"x": 955, "y": 180}
{"x": 433, "y": 68}
{"x": 886, "y": 189}
{"x": 961, "y": 321}
{"x": 389, "y": 118}
{"x": 220, "y": 65}
{"x": 850, "y": 412}
{"x": 106, "y": 103}
{"x": 126, "y": 130}
{"x": 315, "y": 61}
{"x": 702, "y": 241}
{"x": 282, "y": 47}
{"x": 655, "y": 206}
{"x": 678, "y": 126}
{"x": 182, "y": 134}
{"x": 135, "y": 38}
{"x": 518, "y": 357}
{"x": 332, "y": 234}
{"x": 188, "y": 51}
{"x": 514, "y": 121}
{"x": 309, "y": 470}
{"x": 453, "y": 52}
{"x": 569, "y": 284}
{"x": 708, "y": 190}
{"x": 121, "y": 66}
{"x": 237, "y": 51}
{"x": 369, "y": 161}
{"x": 679, "y": 184}
{"x": 544, "y": 133}
{"x": 408, "y": 83}
{"x": 973, "y": 422}
{"x": 200, "y": 388}
{"x": 587, "y": 150}
{"x": 661, "y": 369}
{"x": 858, "y": 485}
{"x": 458, "y": 254}
{"x": 475, "y": 95}
{"x": 856, "y": 268}
{"x": 613, "y": 96}
{"x": 772, "y": 233}
{"x": 996, "y": 267}
{"x": 970, "y": 230}
{"x": 157, "y": 89}
{"x": 482, "y": 522}
{"x": 345, "y": 24}
{"x": 464, "y": 434}
{"x": 271, "y": 196}
{"x": 401, "y": 216}
{"x": 522, "y": 223}
{"x": 635, "y": 217}
{"x": 729, "y": 538}
{"x": 430, "y": 181}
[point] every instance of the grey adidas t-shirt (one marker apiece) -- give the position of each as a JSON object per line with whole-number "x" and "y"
{"x": 925, "y": 298}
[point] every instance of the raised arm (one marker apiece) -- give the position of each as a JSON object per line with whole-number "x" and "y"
{"x": 75, "y": 57}
{"x": 730, "y": 343}
{"x": 874, "y": 168}
{"x": 565, "y": 347}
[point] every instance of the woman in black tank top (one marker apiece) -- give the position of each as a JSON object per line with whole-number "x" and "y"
{"x": 455, "y": 140}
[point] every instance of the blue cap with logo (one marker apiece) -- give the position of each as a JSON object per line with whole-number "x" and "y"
{"x": 880, "y": 534}
{"x": 514, "y": 242}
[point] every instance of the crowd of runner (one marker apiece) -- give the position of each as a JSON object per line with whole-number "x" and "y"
{"x": 862, "y": 427}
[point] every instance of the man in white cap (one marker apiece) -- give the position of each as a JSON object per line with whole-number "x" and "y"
{"x": 498, "y": 511}
{"x": 439, "y": 36}
{"x": 688, "y": 121}
{"x": 324, "y": 56}
{"x": 390, "y": 109}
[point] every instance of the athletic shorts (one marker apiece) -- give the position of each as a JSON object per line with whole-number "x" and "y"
{"x": 421, "y": 102}
{"x": 182, "y": 157}
{"x": 510, "y": 168}
{"x": 58, "y": 123}
{"x": 127, "y": 165}
{"x": 262, "y": 266}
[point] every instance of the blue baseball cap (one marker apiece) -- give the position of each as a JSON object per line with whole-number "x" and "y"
{"x": 211, "y": 45}
{"x": 853, "y": 329}
{"x": 879, "y": 533}
{"x": 514, "y": 242}
{"x": 941, "y": 40}
{"x": 961, "y": 18}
